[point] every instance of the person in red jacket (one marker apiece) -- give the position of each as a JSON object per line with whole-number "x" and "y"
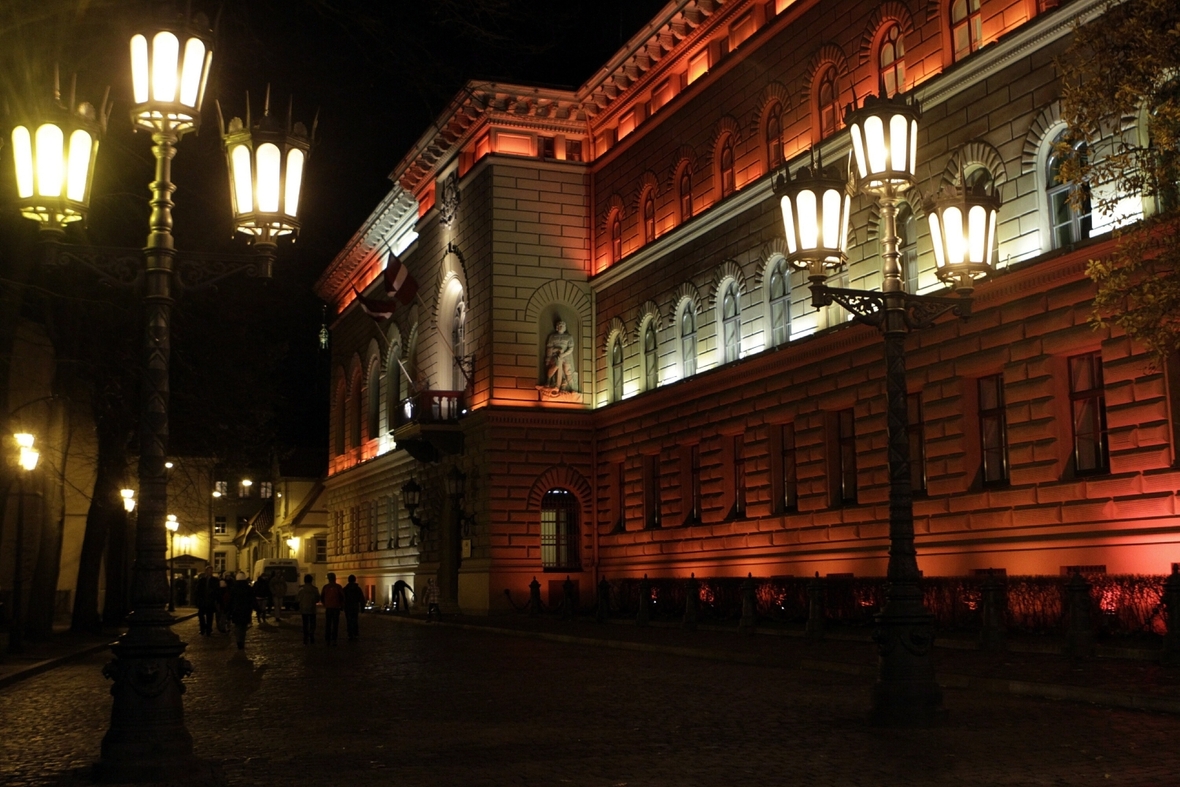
{"x": 332, "y": 597}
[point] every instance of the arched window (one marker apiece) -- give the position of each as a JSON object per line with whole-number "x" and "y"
{"x": 774, "y": 137}
{"x": 688, "y": 339}
{"x": 1067, "y": 224}
{"x": 780, "y": 304}
{"x": 891, "y": 60}
{"x": 651, "y": 369}
{"x": 393, "y": 387}
{"x": 616, "y": 237}
{"x": 731, "y": 321}
{"x": 559, "y": 531}
{"x": 616, "y": 370}
{"x": 966, "y": 27}
{"x": 907, "y": 246}
{"x": 686, "y": 193}
{"x": 341, "y": 417}
{"x": 459, "y": 346}
{"x": 828, "y": 104}
{"x": 649, "y": 216}
{"x": 373, "y": 402}
{"x": 726, "y": 167}
{"x": 354, "y": 414}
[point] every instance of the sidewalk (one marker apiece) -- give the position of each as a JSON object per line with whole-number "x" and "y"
{"x": 1034, "y": 667}
{"x": 62, "y": 647}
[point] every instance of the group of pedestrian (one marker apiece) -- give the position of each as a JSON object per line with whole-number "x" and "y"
{"x": 349, "y": 599}
{"x": 232, "y": 599}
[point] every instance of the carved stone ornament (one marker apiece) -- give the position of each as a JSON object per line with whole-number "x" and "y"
{"x": 449, "y": 201}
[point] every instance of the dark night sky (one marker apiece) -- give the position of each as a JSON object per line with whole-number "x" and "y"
{"x": 378, "y": 71}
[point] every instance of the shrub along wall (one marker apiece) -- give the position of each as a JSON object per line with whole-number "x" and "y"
{"x": 1122, "y": 604}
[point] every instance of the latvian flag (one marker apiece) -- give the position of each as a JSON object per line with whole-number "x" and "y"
{"x": 378, "y": 310}
{"x": 399, "y": 284}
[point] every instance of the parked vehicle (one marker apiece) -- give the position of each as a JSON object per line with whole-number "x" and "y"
{"x": 289, "y": 568}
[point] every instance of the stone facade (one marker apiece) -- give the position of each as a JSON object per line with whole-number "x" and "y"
{"x": 639, "y": 208}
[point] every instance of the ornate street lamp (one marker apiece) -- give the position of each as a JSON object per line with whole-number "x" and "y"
{"x": 172, "y": 526}
{"x": 26, "y": 462}
{"x": 455, "y": 481}
{"x": 266, "y": 161}
{"x": 411, "y": 499}
{"x": 128, "y": 496}
{"x": 884, "y": 133}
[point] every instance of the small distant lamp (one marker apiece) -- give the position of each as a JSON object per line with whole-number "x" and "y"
{"x": 28, "y": 454}
{"x": 172, "y": 526}
{"x": 455, "y": 481}
{"x": 128, "y": 496}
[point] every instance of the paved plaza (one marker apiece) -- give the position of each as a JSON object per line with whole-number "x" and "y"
{"x": 439, "y": 705}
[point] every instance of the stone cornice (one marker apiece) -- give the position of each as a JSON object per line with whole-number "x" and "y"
{"x": 395, "y": 209}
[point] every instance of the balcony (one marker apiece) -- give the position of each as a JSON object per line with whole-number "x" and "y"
{"x": 426, "y": 424}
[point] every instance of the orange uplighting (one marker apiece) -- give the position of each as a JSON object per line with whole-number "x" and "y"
{"x": 698, "y": 65}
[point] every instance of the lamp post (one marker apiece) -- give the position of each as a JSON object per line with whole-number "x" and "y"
{"x": 815, "y": 206}
{"x": 27, "y": 457}
{"x": 54, "y": 149}
{"x": 172, "y": 526}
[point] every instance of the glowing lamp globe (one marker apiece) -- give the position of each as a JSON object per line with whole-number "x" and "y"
{"x": 963, "y": 231}
{"x": 816, "y": 207}
{"x": 28, "y": 454}
{"x": 171, "y": 523}
{"x": 54, "y": 147}
{"x": 884, "y": 142}
{"x": 169, "y": 70}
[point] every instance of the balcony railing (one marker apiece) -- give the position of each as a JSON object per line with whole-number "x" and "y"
{"x": 432, "y": 407}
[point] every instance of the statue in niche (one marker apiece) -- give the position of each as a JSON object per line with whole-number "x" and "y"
{"x": 560, "y": 375}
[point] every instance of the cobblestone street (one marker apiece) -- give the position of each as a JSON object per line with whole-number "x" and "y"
{"x": 434, "y": 705}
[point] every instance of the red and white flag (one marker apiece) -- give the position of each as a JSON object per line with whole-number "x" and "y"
{"x": 377, "y": 309}
{"x": 399, "y": 284}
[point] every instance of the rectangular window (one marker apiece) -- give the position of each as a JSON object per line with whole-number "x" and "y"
{"x": 546, "y": 147}
{"x": 392, "y": 527}
{"x": 694, "y": 471}
{"x": 559, "y": 531}
{"x": 244, "y": 487}
{"x": 739, "y": 476}
{"x": 1087, "y": 402}
{"x": 219, "y": 526}
{"x": 573, "y": 150}
{"x": 742, "y": 28}
{"x": 266, "y": 489}
{"x": 845, "y": 457}
{"x": 789, "y": 498}
{"x": 220, "y": 489}
{"x": 993, "y": 430}
{"x": 651, "y": 491}
{"x": 698, "y": 65}
{"x": 321, "y": 549}
{"x": 220, "y": 562}
{"x": 620, "y": 497}
{"x": 917, "y": 431}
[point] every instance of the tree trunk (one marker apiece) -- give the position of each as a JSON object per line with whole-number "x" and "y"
{"x": 43, "y": 593}
{"x": 103, "y": 513}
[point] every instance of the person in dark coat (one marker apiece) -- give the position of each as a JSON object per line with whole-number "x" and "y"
{"x": 206, "y": 599}
{"x": 242, "y": 604}
{"x": 354, "y": 599}
{"x": 332, "y": 597}
{"x": 262, "y": 594}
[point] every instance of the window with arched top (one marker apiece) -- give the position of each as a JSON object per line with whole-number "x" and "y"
{"x": 373, "y": 402}
{"x": 354, "y": 413}
{"x": 688, "y": 339}
{"x": 725, "y": 167}
{"x": 828, "y": 101}
{"x": 1069, "y": 207}
{"x": 616, "y": 370}
{"x": 731, "y": 322}
{"x": 649, "y": 216}
{"x": 685, "y": 193}
{"x": 907, "y": 246}
{"x": 774, "y": 137}
{"x": 559, "y": 531}
{"x": 780, "y": 303}
{"x": 393, "y": 387}
{"x": 651, "y": 369}
{"x": 341, "y": 419}
{"x": 459, "y": 346}
{"x": 616, "y": 237}
{"x": 966, "y": 27}
{"x": 891, "y": 59}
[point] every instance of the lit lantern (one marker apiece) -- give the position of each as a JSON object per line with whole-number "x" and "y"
{"x": 266, "y": 162}
{"x": 128, "y": 496}
{"x": 963, "y": 230}
{"x": 455, "y": 481}
{"x": 28, "y": 454}
{"x": 169, "y": 70}
{"x": 54, "y": 147}
{"x": 171, "y": 523}
{"x": 885, "y": 141}
{"x": 816, "y": 207}
{"x": 411, "y": 495}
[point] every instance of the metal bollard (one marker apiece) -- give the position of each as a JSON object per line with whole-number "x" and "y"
{"x": 994, "y": 601}
{"x": 1171, "y": 654}
{"x": 1079, "y": 636}
{"x": 815, "y": 607}
{"x": 749, "y": 606}
{"x": 692, "y": 602}
{"x": 534, "y": 598}
{"x": 644, "y": 614}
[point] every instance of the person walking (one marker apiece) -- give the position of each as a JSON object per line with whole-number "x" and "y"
{"x": 332, "y": 597}
{"x": 205, "y": 599}
{"x": 223, "y": 597}
{"x": 354, "y": 599}
{"x": 278, "y": 591}
{"x": 431, "y": 598}
{"x": 308, "y": 597}
{"x": 242, "y": 604}
{"x": 262, "y": 594}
